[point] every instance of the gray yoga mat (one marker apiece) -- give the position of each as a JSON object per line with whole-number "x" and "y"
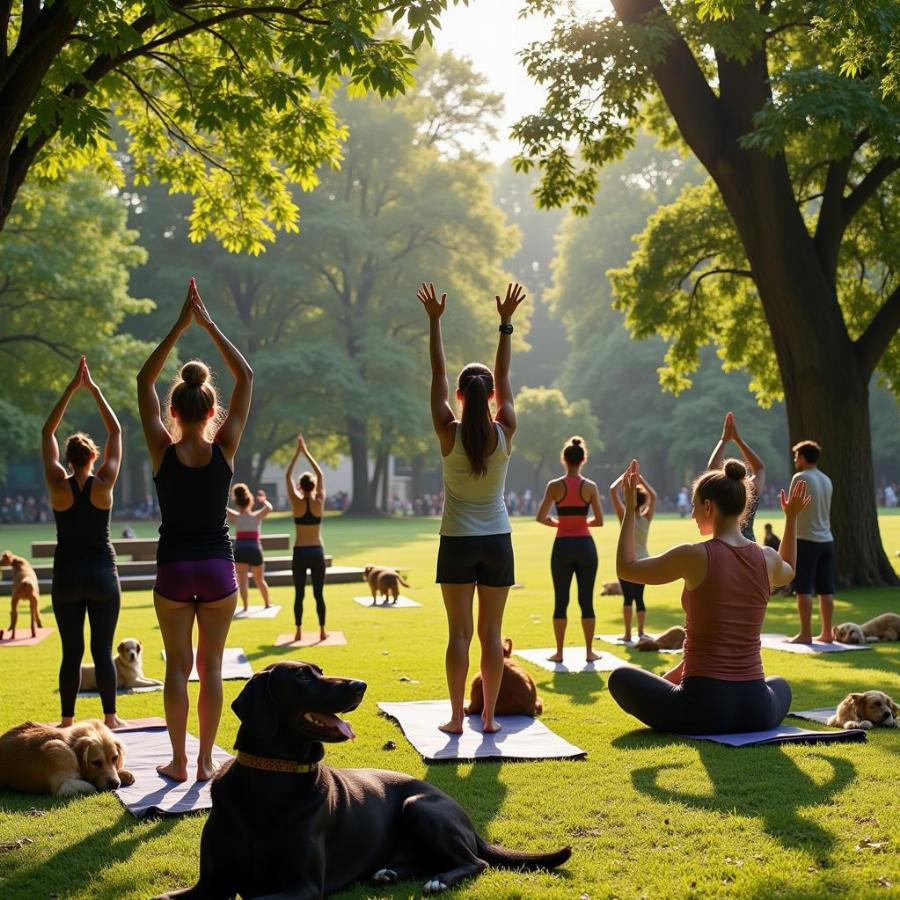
{"x": 235, "y": 665}
{"x": 521, "y": 737}
{"x": 783, "y": 734}
{"x": 152, "y": 689}
{"x": 822, "y": 714}
{"x": 257, "y": 612}
{"x": 617, "y": 640}
{"x": 147, "y": 745}
{"x": 402, "y": 602}
{"x": 573, "y": 660}
{"x": 777, "y": 642}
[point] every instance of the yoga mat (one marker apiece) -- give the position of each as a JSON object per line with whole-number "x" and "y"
{"x": 235, "y": 665}
{"x": 257, "y": 612}
{"x": 617, "y": 640}
{"x": 573, "y": 660}
{"x": 823, "y": 714}
{"x": 311, "y": 639}
{"x": 402, "y": 602}
{"x": 123, "y": 690}
{"x": 778, "y": 642}
{"x": 520, "y": 738}
{"x": 24, "y": 638}
{"x": 147, "y": 745}
{"x": 783, "y": 734}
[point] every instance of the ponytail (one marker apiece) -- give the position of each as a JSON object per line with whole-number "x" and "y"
{"x": 475, "y": 384}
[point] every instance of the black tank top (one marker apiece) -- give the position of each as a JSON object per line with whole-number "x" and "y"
{"x": 193, "y": 503}
{"x": 309, "y": 517}
{"x": 82, "y": 530}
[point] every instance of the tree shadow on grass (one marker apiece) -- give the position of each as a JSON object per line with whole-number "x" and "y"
{"x": 760, "y": 782}
{"x": 582, "y": 688}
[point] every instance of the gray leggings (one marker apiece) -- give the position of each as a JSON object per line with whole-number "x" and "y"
{"x": 701, "y": 705}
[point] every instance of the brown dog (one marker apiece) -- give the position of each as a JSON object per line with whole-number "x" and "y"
{"x": 671, "y": 639}
{"x": 129, "y": 668}
{"x": 25, "y": 587}
{"x": 865, "y": 710}
{"x": 81, "y": 759}
{"x": 518, "y": 693}
{"x": 885, "y": 627}
{"x": 611, "y": 589}
{"x": 384, "y": 581}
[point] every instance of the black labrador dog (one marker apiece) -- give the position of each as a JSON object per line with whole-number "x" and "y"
{"x": 283, "y": 826}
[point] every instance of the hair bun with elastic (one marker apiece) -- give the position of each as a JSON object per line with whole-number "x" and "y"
{"x": 194, "y": 372}
{"x": 576, "y": 441}
{"x": 735, "y": 469}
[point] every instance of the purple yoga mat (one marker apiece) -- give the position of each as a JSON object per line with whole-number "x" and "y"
{"x": 783, "y": 734}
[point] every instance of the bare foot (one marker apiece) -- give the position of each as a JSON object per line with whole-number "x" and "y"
{"x": 557, "y": 657}
{"x": 451, "y": 727}
{"x": 246, "y": 607}
{"x": 799, "y": 639}
{"x": 491, "y": 726}
{"x": 825, "y": 638}
{"x": 298, "y": 634}
{"x": 626, "y": 638}
{"x": 206, "y": 769}
{"x": 177, "y": 771}
{"x": 323, "y": 634}
{"x": 591, "y": 656}
{"x": 113, "y": 721}
{"x": 267, "y": 605}
{"x": 66, "y": 722}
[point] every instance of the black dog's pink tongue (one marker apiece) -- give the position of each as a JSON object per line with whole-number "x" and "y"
{"x": 338, "y": 724}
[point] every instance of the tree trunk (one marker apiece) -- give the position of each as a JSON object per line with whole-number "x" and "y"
{"x": 358, "y": 438}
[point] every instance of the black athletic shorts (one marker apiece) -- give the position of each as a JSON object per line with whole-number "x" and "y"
{"x": 483, "y": 559}
{"x": 815, "y": 567}
{"x": 248, "y": 551}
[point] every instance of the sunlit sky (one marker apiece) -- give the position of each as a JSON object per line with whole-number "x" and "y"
{"x": 490, "y": 33}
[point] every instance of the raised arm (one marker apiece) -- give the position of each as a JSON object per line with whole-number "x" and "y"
{"x": 289, "y": 473}
{"x": 108, "y": 472}
{"x": 543, "y": 514}
{"x": 441, "y": 412}
{"x": 229, "y": 434}
{"x": 155, "y": 432}
{"x": 317, "y": 469}
{"x": 651, "y": 495}
{"x": 781, "y": 563}
{"x": 264, "y": 506}
{"x": 503, "y": 394}
{"x": 728, "y": 434}
{"x": 756, "y": 464}
{"x": 616, "y": 498}
{"x": 54, "y": 471}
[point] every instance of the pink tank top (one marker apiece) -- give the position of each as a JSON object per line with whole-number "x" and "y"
{"x": 572, "y": 511}
{"x": 724, "y": 615}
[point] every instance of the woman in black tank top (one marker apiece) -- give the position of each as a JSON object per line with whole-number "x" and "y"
{"x": 307, "y": 498}
{"x": 85, "y": 579}
{"x": 193, "y": 461}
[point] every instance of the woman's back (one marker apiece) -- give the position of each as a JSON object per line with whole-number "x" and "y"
{"x": 82, "y": 530}
{"x": 474, "y": 505}
{"x": 725, "y": 613}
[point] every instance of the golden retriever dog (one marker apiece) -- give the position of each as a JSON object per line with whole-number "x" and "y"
{"x": 81, "y": 759}
{"x": 25, "y": 587}
{"x": 129, "y": 668}
{"x": 671, "y": 639}
{"x": 885, "y": 627}
{"x": 611, "y": 589}
{"x": 518, "y": 693}
{"x": 384, "y": 581}
{"x": 866, "y": 710}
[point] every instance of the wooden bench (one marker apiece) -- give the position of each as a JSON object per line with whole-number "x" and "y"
{"x": 144, "y": 549}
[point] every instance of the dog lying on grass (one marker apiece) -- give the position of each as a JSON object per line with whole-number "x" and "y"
{"x": 671, "y": 639}
{"x": 866, "y": 710}
{"x": 284, "y": 825}
{"x": 129, "y": 668}
{"x": 518, "y": 693}
{"x": 384, "y": 581}
{"x": 885, "y": 627}
{"x": 81, "y": 759}
{"x": 25, "y": 587}
{"x": 611, "y": 589}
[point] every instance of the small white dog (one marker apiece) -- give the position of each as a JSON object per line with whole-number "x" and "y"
{"x": 129, "y": 668}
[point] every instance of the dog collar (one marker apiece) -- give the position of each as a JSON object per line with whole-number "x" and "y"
{"x": 269, "y": 764}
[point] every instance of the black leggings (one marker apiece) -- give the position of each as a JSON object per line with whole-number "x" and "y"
{"x": 573, "y": 556}
{"x": 312, "y": 558}
{"x": 97, "y": 594}
{"x": 701, "y": 705}
{"x": 632, "y": 593}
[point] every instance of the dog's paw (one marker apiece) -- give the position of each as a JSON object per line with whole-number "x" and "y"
{"x": 126, "y": 777}
{"x": 434, "y": 886}
{"x": 384, "y": 876}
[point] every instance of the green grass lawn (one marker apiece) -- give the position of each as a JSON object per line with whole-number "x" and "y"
{"x": 647, "y": 816}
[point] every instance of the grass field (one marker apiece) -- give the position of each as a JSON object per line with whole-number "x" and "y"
{"x": 647, "y": 816}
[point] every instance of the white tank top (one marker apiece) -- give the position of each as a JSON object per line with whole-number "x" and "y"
{"x": 641, "y": 532}
{"x": 245, "y": 522}
{"x": 474, "y": 506}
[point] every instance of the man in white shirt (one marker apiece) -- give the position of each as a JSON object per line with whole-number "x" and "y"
{"x": 814, "y": 571}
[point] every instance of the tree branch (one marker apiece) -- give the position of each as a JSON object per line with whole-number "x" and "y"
{"x": 870, "y": 183}
{"x": 872, "y": 343}
{"x": 830, "y": 224}
{"x": 60, "y": 349}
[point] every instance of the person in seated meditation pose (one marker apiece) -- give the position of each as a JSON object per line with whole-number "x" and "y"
{"x": 719, "y": 686}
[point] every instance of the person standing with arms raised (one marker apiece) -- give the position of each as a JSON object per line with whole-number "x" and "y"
{"x": 475, "y": 551}
{"x": 85, "y": 578}
{"x": 193, "y": 462}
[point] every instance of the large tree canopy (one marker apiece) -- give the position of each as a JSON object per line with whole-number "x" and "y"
{"x": 230, "y": 102}
{"x": 785, "y": 255}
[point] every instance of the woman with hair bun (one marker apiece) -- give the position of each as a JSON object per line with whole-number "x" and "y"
{"x": 193, "y": 461}
{"x": 85, "y": 578}
{"x": 248, "y": 554}
{"x": 574, "y": 551}
{"x": 307, "y": 498}
{"x": 719, "y": 686}
{"x": 476, "y": 545}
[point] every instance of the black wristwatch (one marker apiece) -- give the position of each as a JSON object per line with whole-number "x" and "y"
{"x": 506, "y": 327}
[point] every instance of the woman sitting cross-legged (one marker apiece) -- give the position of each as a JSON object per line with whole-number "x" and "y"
{"x": 719, "y": 686}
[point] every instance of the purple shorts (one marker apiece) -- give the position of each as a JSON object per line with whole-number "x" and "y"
{"x": 200, "y": 580}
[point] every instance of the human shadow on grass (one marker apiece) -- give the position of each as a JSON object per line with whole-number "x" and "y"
{"x": 760, "y": 782}
{"x": 582, "y": 688}
{"x": 82, "y": 862}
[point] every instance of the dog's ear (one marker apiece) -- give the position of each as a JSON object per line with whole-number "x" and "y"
{"x": 121, "y": 647}
{"x": 507, "y": 646}
{"x": 120, "y": 755}
{"x": 81, "y": 748}
{"x": 255, "y": 706}
{"x": 893, "y": 706}
{"x": 140, "y": 647}
{"x": 859, "y": 704}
